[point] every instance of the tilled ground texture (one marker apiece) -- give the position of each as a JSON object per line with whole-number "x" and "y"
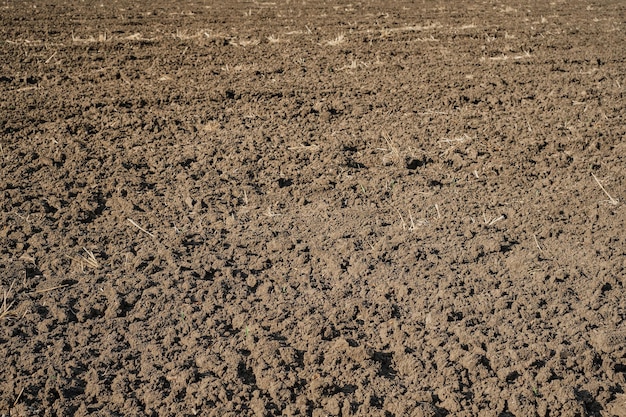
{"x": 312, "y": 208}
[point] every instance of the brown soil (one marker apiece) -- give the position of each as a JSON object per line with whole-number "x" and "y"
{"x": 313, "y": 208}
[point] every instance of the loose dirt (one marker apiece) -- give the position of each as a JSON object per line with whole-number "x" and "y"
{"x": 312, "y": 208}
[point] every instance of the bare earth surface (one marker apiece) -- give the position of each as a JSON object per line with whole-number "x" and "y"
{"x": 313, "y": 208}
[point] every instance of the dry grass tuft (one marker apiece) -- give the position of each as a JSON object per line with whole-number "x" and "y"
{"x": 393, "y": 155}
{"x": 337, "y": 41}
{"x": 183, "y": 35}
{"x": 492, "y": 221}
{"x": 6, "y": 307}
{"x": 413, "y": 223}
{"x": 89, "y": 260}
{"x": 247, "y": 42}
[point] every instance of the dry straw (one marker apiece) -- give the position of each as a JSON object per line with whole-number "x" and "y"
{"x": 611, "y": 199}
{"x": 5, "y": 309}
{"x": 89, "y": 260}
{"x": 337, "y": 41}
{"x": 131, "y": 221}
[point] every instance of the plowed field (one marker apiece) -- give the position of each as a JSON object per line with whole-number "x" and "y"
{"x": 313, "y": 208}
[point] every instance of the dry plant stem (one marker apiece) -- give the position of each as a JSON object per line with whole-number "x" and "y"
{"x": 611, "y": 199}
{"x": 131, "y": 221}
{"x": 338, "y": 40}
{"x": 412, "y": 227}
{"x": 5, "y": 310}
{"x": 91, "y": 259}
{"x": 270, "y": 213}
{"x": 392, "y": 148}
{"x": 402, "y": 220}
{"x": 18, "y": 396}
{"x": 51, "y": 56}
{"x": 494, "y": 221}
{"x": 50, "y": 289}
{"x": 537, "y": 243}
